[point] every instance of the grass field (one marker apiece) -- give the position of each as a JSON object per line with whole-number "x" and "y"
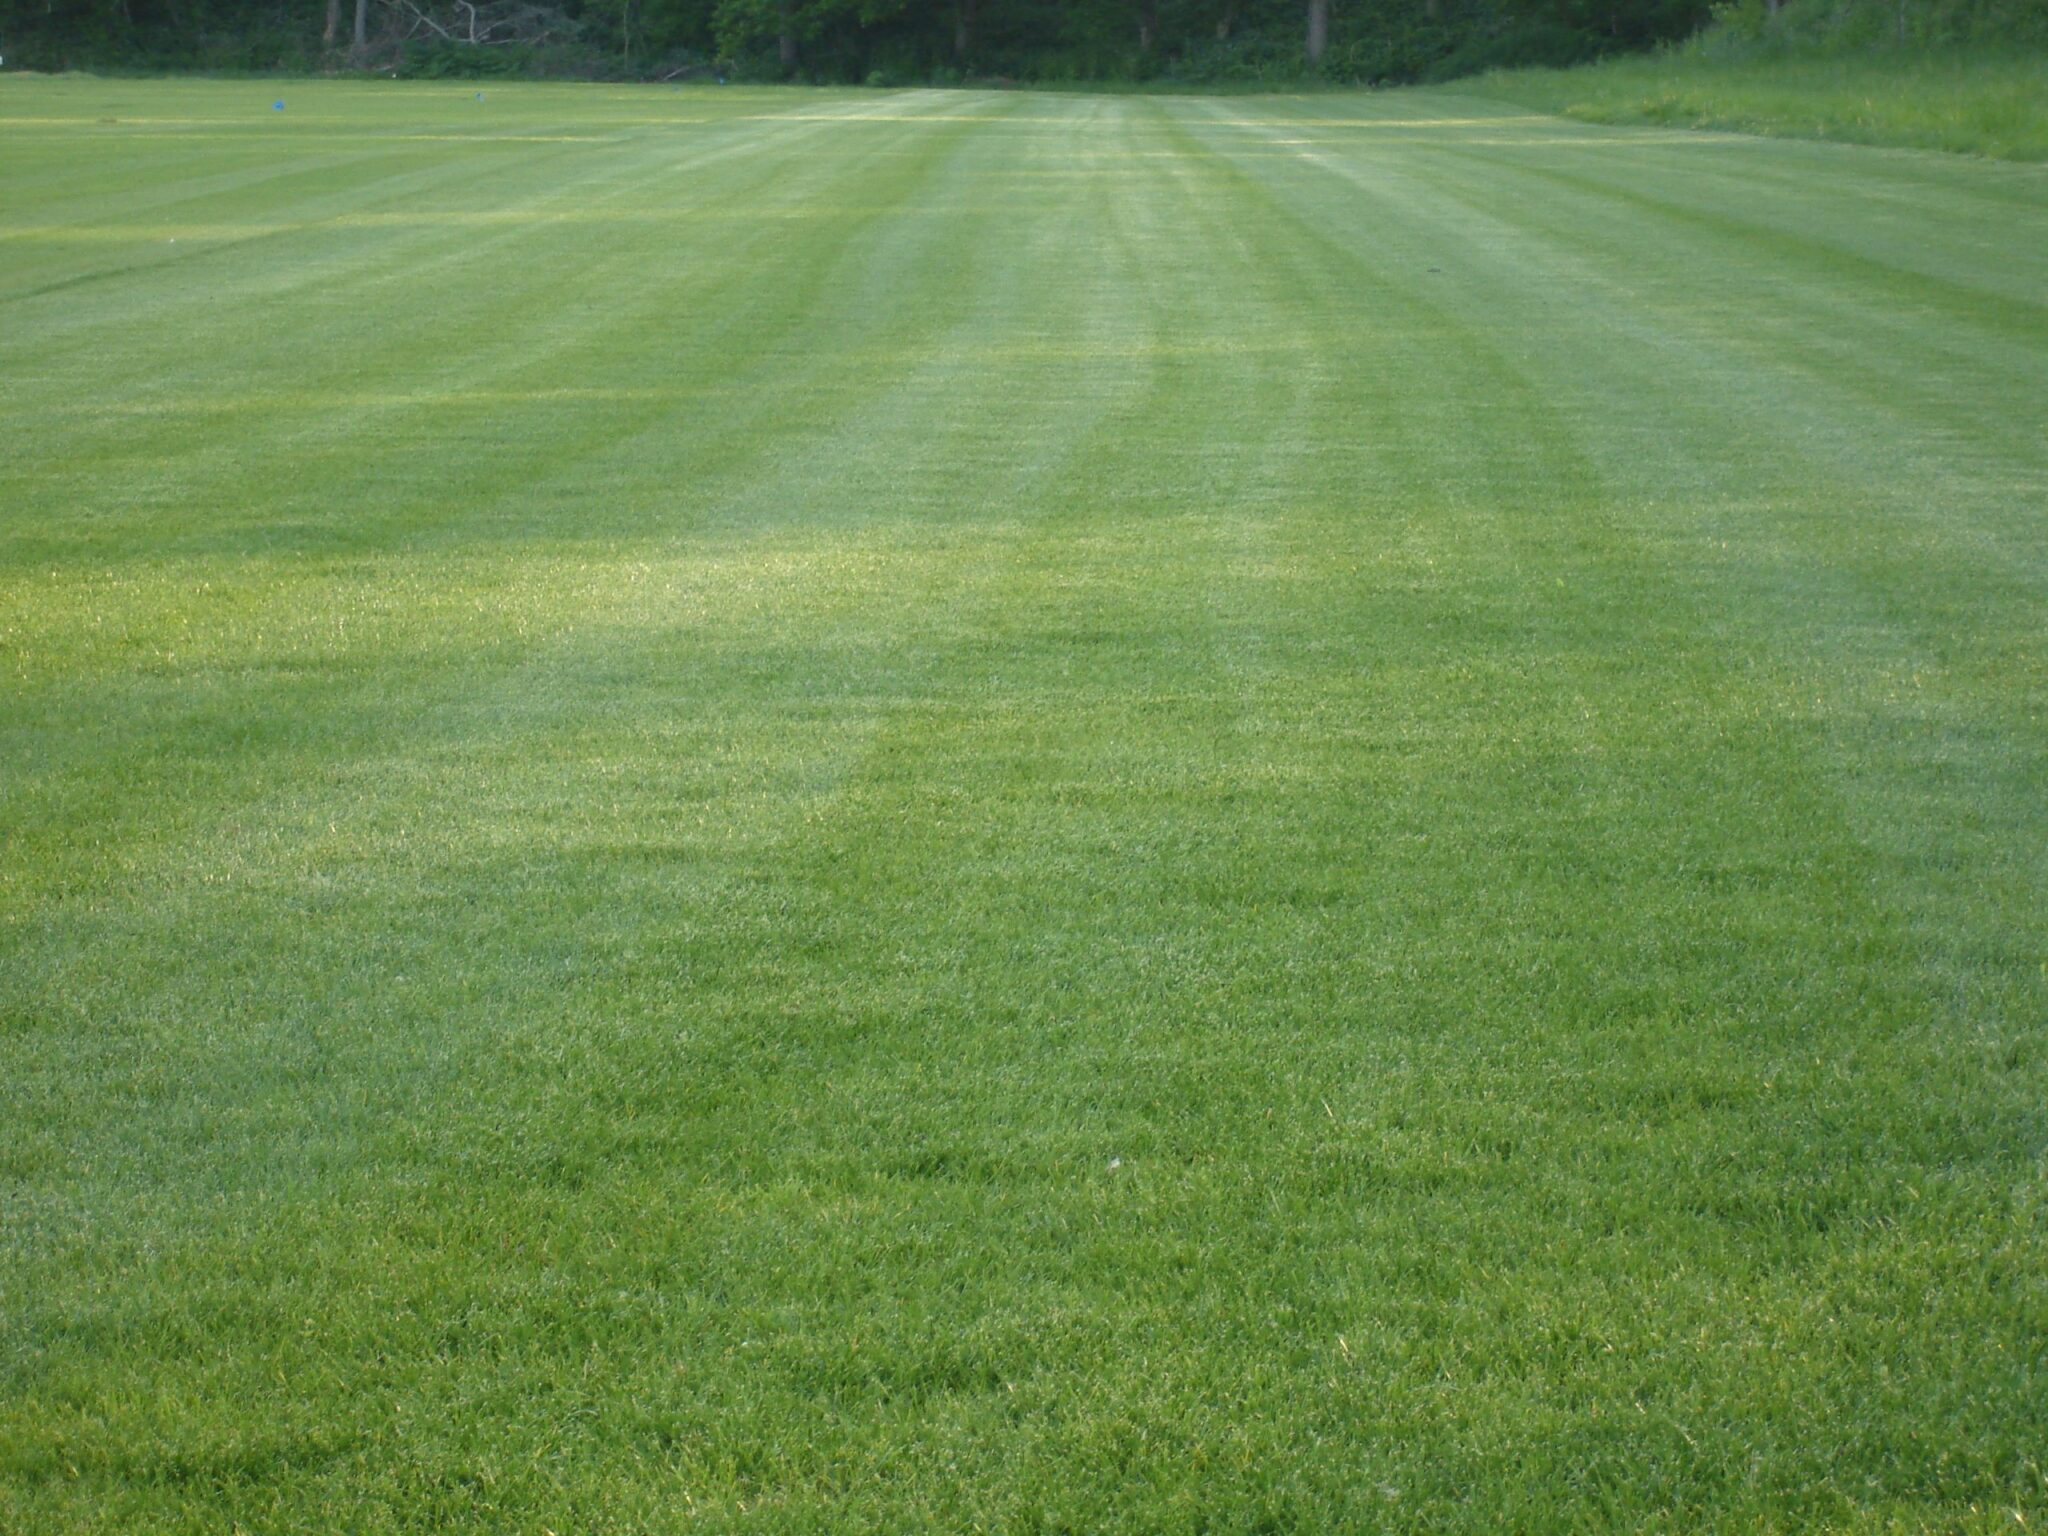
{"x": 1975, "y": 103}
{"x": 856, "y": 811}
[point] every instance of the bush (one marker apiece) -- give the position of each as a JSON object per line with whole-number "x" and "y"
{"x": 1746, "y": 28}
{"x": 461, "y": 61}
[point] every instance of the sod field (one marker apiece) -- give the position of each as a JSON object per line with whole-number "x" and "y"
{"x": 849, "y": 811}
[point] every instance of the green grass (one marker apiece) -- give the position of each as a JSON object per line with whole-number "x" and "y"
{"x": 1978, "y": 103}
{"x": 767, "y": 811}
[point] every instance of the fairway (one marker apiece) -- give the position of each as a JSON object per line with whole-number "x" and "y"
{"x": 773, "y": 810}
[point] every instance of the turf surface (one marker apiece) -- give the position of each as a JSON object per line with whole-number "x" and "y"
{"x": 773, "y": 811}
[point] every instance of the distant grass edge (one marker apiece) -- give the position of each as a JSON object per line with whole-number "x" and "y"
{"x": 1964, "y": 101}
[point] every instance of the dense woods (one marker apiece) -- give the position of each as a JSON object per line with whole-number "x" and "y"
{"x": 903, "y": 42}
{"x": 877, "y": 41}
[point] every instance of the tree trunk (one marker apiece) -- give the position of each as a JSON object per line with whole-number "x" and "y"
{"x": 362, "y": 28}
{"x": 333, "y": 26}
{"x": 1148, "y": 25}
{"x": 785, "y": 41}
{"x": 963, "y": 29}
{"x": 1226, "y": 21}
{"x": 1318, "y": 29}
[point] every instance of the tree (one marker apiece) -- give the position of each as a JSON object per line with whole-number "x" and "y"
{"x": 857, "y": 39}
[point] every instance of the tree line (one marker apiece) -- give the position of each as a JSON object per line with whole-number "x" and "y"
{"x": 882, "y": 42}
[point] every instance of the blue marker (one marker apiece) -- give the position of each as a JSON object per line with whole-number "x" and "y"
{"x": 277, "y": 106}
{"x": 479, "y": 95}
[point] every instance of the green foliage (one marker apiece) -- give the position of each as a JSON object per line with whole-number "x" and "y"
{"x": 453, "y": 61}
{"x": 750, "y": 811}
{"x": 1195, "y": 41}
{"x": 1837, "y": 27}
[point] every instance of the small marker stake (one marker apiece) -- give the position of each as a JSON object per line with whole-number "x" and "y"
{"x": 277, "y": 106}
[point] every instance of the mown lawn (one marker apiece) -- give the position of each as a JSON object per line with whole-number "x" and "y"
{"x": 850, "y": 811}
